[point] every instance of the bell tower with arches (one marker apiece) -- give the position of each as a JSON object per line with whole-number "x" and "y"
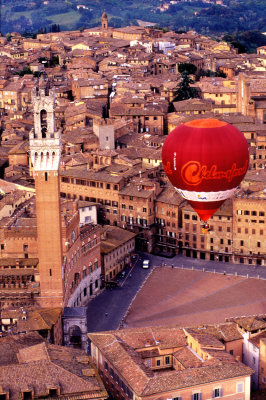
{"x": 45, "y": 150}
{"x": 104, "y": 21}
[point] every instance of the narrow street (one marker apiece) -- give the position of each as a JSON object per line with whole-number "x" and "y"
{"x": 106, "y": 311}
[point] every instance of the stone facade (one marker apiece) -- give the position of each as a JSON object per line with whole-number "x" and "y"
{"x": 75, "y": 327}
{"x": 117, "y": 246}
{"x": 249, "y": 229}
{"x": 105, "y": 133}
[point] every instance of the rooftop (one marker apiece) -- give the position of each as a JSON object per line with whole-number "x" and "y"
{"x": 112, "y": 237}
{"x": 30, "y": 363}
{"x": 125, "y": 350}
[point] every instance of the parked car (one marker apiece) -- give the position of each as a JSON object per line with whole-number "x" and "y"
{"x": 111, "y": 284}
{"x": 146, "y": 264}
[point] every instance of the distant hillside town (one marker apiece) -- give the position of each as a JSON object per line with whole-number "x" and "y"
{"x": 241, "y": 19}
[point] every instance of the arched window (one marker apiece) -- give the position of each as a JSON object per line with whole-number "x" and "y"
{"x": 75, "y": 336}
{"x": 43, "y": 116}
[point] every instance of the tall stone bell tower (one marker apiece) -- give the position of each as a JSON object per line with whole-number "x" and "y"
{"x": 45, "y": 150}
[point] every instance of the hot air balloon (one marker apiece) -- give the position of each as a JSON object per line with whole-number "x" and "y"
{"x": 205, "y": 160}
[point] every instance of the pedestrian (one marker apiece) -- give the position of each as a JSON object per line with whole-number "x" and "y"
{"x": 106, "y": 314}
{"x": 172, "y": 265}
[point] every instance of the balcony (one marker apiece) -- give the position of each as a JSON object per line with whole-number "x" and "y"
{"x": 139, "y": 225}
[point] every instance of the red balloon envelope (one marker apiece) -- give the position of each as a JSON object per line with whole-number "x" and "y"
{"x": 205, "y": 160}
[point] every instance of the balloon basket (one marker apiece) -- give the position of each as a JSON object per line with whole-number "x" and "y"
{"x": 205, "y": 228}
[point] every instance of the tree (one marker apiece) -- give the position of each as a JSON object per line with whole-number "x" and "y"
{"x": 184, "y": 91}
{"x": 188, "y": 68}
{"x": 54, "y": 61}
{"x": 27, "y": 34}
{"x": 235, "y": 43}
{"x": 115, "y": 22}
{"x": 24, "y": 71}
{"x": 55, "y": 28}
{"x": 42, "y": 30}
{"x": 203, "y": 72}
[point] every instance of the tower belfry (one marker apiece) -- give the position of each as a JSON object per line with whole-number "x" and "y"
{"x": 104, "y": 21}
{"x": 45, "y": 150}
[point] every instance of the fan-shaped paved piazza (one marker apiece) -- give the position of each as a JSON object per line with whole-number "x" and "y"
{"x": 188, "y": 297}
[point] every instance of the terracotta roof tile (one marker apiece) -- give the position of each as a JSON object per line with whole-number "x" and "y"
{"x": 37, "y": 352}
{"x": 226, "y": 332}
{"x": 251, "y": 323}
{"x": 29, "y": 363}
{"x": 205, "y": 339}
{"x": 256, "y": 339}
{"x": 193, "y": 377}
{"x": 170, "y": 196}
{"x": 125, "y": 350}
{"x": 186, "y": 358}
{"x": 83, "y": 173}
{"x": 114, "y": 237}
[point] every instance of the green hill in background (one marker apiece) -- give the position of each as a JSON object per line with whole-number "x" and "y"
{"x": 231, "y": 17}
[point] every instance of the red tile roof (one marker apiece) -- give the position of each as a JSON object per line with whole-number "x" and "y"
{"x": 124, "y": 351}
{"x": 29, "y": 363}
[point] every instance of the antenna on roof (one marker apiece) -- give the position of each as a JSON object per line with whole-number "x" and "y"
{"x": 156, "y": 341}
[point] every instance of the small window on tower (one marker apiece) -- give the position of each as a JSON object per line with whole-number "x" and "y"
{"x": 46, "y": 176}
{"x": 43, "y": 117}
{"x": 50, "y": 272}
{"x": 27, "y": 395}
{"x": 53, "y": 392}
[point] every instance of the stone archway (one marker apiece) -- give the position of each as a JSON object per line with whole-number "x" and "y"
{"x": 75, "y": 336}
{"x": 75, "y": 327}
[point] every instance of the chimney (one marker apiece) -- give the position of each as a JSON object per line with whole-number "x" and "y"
{"x": 75, "y": 206}
{"x": 24, "y": 315}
